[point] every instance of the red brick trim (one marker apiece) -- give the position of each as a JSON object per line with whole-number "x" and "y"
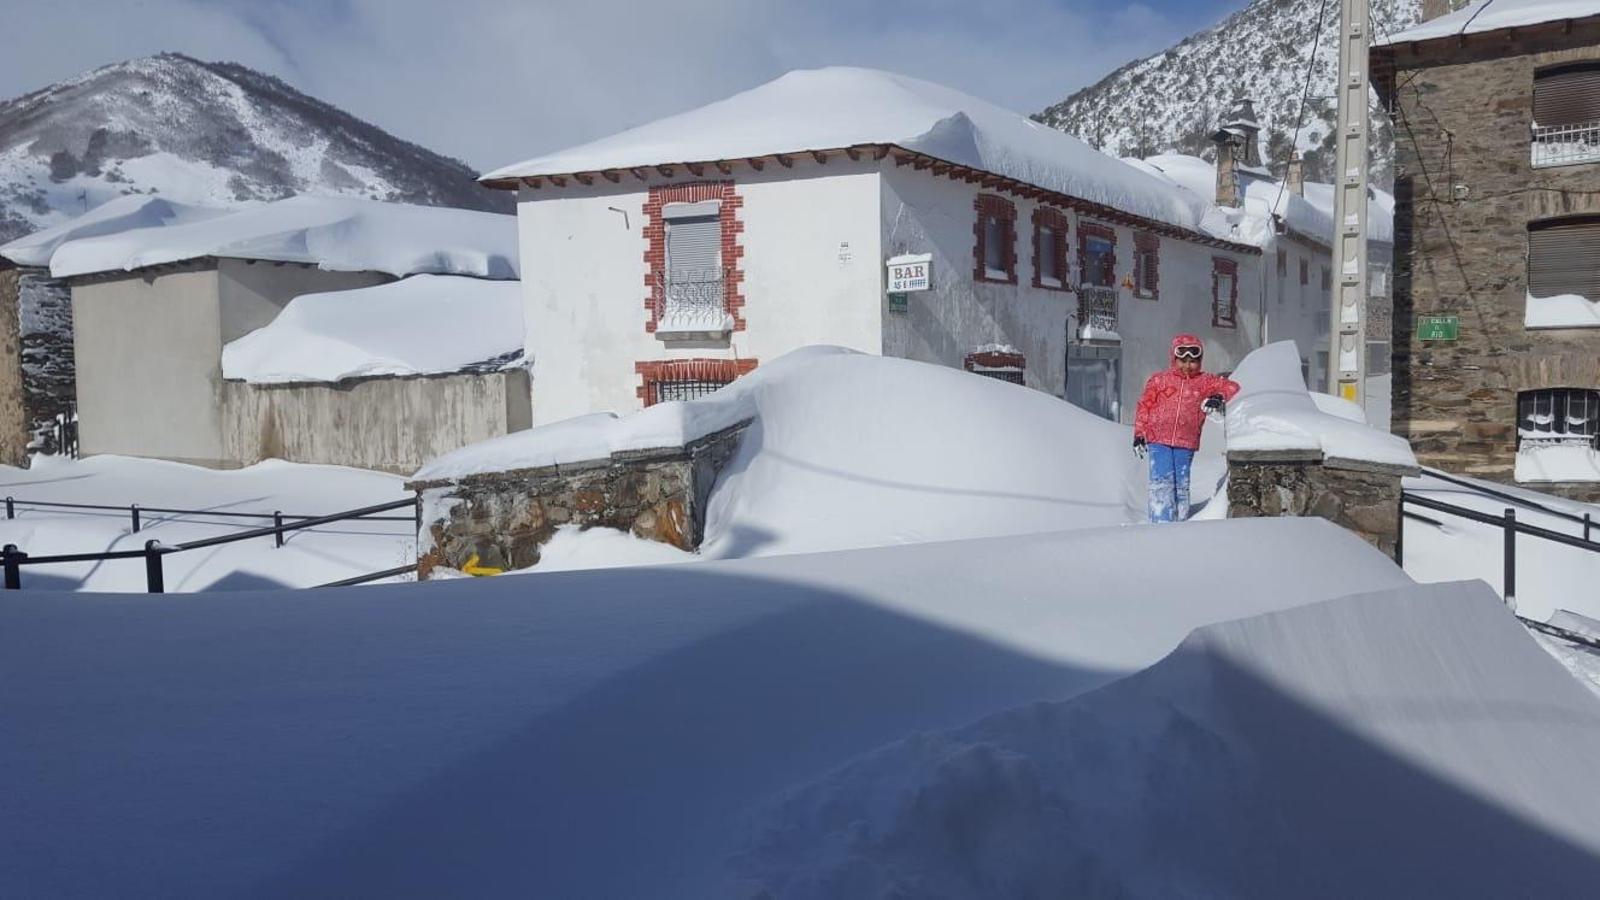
{"x": 994, "y": 359}
{"x": 1047, "y": 218}
{"x": 655, "y": 249}
{"x": 1224, "y": 311}
{"x": 1146, "y": 266}
{"x": 652, "y": 372}
{"x": 1088, "y": 230}
{"x": 987, "y": 205}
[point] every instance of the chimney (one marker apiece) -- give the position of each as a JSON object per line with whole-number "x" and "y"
{"x": 1228, "y": 152}
{"x": 1241, "y": 120}
{"x": 1294, "y": 178}
{"x": 1237, "y": 147}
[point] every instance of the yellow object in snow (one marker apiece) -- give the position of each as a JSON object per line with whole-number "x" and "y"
{"x": 472, "y": 567}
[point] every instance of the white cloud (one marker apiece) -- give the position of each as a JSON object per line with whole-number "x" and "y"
{"x": 497, "y": 80}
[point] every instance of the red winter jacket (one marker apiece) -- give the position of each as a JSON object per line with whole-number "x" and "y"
{"x": 1169, "y": 409}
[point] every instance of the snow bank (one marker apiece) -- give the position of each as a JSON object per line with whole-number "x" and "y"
{"x": 1561, "y": 311}
{"x": 124, "y": 213}
{"x": 422, "y": 325}
{"x": 1489, "y": 15}
{"x": 1274, "y": 412}
{"x": 1546, "y": 461}
{"x": 335, "y": 233}
{"x": 833, "y": 108}
{"x": 520, "y": 736}
{"x": 1409, "y": 743}
{"x": 852, "y": 450}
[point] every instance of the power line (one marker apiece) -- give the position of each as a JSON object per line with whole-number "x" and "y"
{"x": 1300, "y": 112}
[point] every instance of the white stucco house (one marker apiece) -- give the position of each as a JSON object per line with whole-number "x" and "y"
{"x": 664, "y": 261}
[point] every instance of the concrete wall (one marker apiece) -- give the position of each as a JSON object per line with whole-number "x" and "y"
{"x": 252, "y": 293}
{"x": 811, "y": 264}
{"x": 1465, "y": 192}
{"x": 924, "y": 213}
{"x": 390, "y": 424}
{"x": 13, "y": 418}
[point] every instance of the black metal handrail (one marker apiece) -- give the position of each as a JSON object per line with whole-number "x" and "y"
{"x": 1509, "y": 525}
{"x": 135, "y": 509}
{"x": 1487, "y": 491}
{"x": 12, "y": 558}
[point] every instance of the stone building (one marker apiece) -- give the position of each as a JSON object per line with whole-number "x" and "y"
{"x": 13, "y": 420}
{"x": 1497, "y": 240}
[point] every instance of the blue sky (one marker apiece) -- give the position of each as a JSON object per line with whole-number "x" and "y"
{"x": 493, "y": 81}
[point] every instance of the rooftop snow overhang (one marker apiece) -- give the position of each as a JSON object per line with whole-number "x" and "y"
{"x": 875, "y": 152}
{"x": 1389, "y": 47}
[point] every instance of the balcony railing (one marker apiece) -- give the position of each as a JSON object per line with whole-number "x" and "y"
{"x": 1566, "y": 145}
{"x": 1097, "y": 312}
{"x": 693, "y": 301}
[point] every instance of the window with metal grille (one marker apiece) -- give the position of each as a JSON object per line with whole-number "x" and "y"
{"x": 1097, "y": 255}
{"x": 1327, "y": 278}
{"x": 1305, "y": 272}
{"x": 1224, "y": 292}
{"x": 1146, "y": 266}
{"x": 1001, "y": 364}
{"x": 1562, "y": 255}
{"x": 995, "y": 232}
{"x": 1283, "y": 262}
{"x": 1558, "y": 415}
{"x": 1566, "y": 115}
{"x": 685, "y": 388}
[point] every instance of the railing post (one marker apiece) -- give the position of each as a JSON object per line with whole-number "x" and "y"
{"x": 1510, "y": 578}
{"x": 11, "y": 508}
{"x": 155, "y": 579}
{"x": 133, "y": 508}
{"x": 417, "y": 510}
{"x": 1400, "y": 531}
{"x": 13, "y": 565}
{"x": 1586, "y": 526}
{"x": 277, "y": 522}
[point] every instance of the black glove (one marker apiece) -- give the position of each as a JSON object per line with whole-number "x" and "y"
{"x": 1215, "y": 404}
{"x": 1138, "y": 446}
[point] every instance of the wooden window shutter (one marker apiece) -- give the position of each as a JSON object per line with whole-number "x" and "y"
{"x": 1564, "y": 258}
{"x": 1569, "y": 95}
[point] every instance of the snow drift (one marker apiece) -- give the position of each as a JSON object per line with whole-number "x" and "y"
{"x": 851, "y": 450}
{"x": 573, "y": 735}
{"x": 1409, "y": 743}
{"x": 422, "y": 325}
{"x": 121, "y": 214}
{"x": 335, "y": 233}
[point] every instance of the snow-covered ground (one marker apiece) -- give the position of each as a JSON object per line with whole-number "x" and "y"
{"x": 311, "y": 557}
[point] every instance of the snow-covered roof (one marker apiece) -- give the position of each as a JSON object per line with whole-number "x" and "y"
{"x": 335, "y": 233}
{"x": 123, "y": 213}
{"x": 1491, "y": 15}
{"x": 837, "y": 108}
{"x": 422, "y": 325}
{"x": 1310, "y": 214}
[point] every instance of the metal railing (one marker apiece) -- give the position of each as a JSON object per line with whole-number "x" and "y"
{"x": 12, "y": 558}
{"x": 1565, "y": 145}
{"x": 690, "y": 298}
{"x": 1510, "y": 527}
{"x": 1097, "y": 308}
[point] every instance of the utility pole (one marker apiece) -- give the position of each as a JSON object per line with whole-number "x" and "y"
{"x": 1347, "y": 334}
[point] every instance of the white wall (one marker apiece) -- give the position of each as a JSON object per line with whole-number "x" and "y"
{"x": 924, "y": 213}
{"x": 812, "y": 274}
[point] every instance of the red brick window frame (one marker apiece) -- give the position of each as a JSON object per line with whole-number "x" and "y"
{"x": 1283, "y": 262}
{"x": 1088, "y": 231}
{"x": 655, "y": 250}
{"x": 1004, "y": 214}
{"x": 1146, "y": 266}
{"x": 1224, "y": 301}
{"x": 1050, "y": 249}
{"x": 653, "y": 374}
{"x": 1002, "y": 365}
{"x": 1305, "y": 272}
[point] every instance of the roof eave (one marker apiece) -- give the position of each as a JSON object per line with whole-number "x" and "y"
{"x": 1395, "y": 44}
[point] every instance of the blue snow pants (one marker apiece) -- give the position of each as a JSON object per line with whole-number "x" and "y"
{"x": 1169, "y": 483}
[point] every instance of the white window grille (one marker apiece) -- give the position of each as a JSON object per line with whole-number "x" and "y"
{"x": 1558, "y": 415}
{"x": 694, "y": 288}
{"x": 1566, "y": 145}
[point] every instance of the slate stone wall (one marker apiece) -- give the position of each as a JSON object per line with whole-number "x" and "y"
{"x": 501, "y": 520}
{"x": 1466, "y": 190}
{"x": 13, "y": 419}
{"x": 1363, "y": 500}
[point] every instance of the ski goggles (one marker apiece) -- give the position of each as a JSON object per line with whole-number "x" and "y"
{"x": 1187, "y": 351}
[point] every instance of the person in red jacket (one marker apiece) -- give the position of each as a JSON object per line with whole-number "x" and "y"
{"x": 1167, "y": 423}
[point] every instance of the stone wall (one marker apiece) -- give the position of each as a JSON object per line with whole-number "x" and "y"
{"x": 13, "y": 419}
{"x": 1360, "y": 497}
{"x": 1465, "y": 193}
{"x": 500, "y": 520}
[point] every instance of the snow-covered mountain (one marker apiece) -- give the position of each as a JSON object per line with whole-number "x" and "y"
{"x": 199, "y": 132}
{"x": 1171, "y": 101}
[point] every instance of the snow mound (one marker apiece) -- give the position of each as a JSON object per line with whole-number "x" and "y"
{"x": 1561, "y": 311}
{"x": 1274, "y": 412}
{"x": 422, "y": 325}
{"x": 1556, "y": 461}
{"x": 852, "y": 450}
{"x": 833, "y": 108}
{"x": 1409, "y": 743}
{"x": 518, "y": 736}
{"x": 121, "y": 214}
{"x": 1490, "y": 15}
{"x": 335, "y": 233}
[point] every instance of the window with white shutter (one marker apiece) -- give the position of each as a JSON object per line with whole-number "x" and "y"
{"x": 1566, "y": 115}
{"x": 1564, "y": 258}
